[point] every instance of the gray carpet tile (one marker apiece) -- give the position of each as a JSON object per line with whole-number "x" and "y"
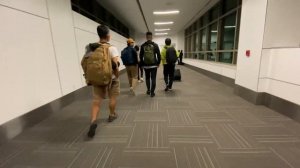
{"x": 200, "y": 124}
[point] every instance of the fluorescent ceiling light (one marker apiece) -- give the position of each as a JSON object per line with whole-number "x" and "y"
{"x": 171, "y": 12}
{"x": 214, "y": 31}
{"x": 161, "y": 33}
{"x": 163, "y": 23}
{"x": 158, "y": 30}
{"x": 228, "y": 27}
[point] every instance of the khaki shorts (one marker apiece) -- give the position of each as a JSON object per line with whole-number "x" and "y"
{"x": 100, "y": 92}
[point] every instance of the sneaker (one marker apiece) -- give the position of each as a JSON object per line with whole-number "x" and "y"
{"x": 170, "y": 89}
{"x": 92, "y": 130}
{"x": 142, "y": 80}
{"x": 132, "y": 91}
{"x": 111, "y": 118}
{"x": 148, "y": 92}
{"x": 152, "y": 94}
{"x": 166, "y": 89}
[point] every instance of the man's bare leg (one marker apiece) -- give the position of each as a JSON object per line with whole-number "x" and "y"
{"x": 95, "y": 110}
{"x": 94, "y": 115}
{"x": 112, "y": 108}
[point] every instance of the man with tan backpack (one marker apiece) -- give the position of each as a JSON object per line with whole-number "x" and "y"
{"x": 100, "y": 66}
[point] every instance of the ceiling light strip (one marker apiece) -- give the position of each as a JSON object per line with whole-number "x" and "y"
{"x": 159, "y": 30}
{"x": 161, "y": 33}
{"x": 163, "y": 23}
{"x": 172, "y": 12}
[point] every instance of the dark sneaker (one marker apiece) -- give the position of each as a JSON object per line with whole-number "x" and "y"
{"x": 152, "y": 94}
{"x": 166, "y": 89}
{"x": 92, "y": 130}
{"x": 148, "y": 92}
{"x": 111, "y": 118}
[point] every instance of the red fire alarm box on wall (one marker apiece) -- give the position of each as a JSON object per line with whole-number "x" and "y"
{"x": 248, "y": 53}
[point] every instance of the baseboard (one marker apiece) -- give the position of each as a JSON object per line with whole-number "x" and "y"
{"x": 14, "y": 127}
{"x": 223, "y": 79}
{"x": 277, "y": 104}
{"x": 282, "y": 106}
{"x": 249, "y": 95}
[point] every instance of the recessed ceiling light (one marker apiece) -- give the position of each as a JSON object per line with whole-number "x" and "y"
{"x": 161, "y": 33}
{"x": 163, "y": 23}
{"x": 158, "y": 30}
{"x": 171, "y": 12}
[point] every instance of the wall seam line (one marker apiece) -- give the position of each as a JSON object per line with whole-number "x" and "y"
{"x": 280, "y": 81}
{"x": 23, "y": 11}
{"x": 97, "y": 34}
{"x": 85, "y": 30}
{"x": 270, "y": 48}
{"x": 79, "y": 62}
{"x": 261, "y": 54}
{"x": 55, "y": 55}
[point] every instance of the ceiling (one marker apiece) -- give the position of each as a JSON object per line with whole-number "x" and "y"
{"x": 129, "y": 13}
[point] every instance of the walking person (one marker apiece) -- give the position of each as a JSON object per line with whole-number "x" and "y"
{"x": 169, "y": 57}
{"x": 140, "y": 67}
{"x": 150, "y": 59}
{"x": 101, "y": 70}
{"x": 130, "y": 60}
{"x": 180, "y": 57}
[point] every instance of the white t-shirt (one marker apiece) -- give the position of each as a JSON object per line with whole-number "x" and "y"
{"x": 113, "y": 52}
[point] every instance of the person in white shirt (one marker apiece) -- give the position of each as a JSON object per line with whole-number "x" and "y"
{"x": 99, "y": 92}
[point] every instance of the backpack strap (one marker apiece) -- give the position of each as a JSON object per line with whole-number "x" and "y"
{"x": 106, "y": 48}
{"x": 93, "y": 46}
{"x": 105, "y": 45}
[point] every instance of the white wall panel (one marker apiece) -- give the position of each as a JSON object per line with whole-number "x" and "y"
{"x": 39, "y": 57}
{"x": 86, "y": 32}
{"x": 218, "y": 68}
{"x": 281, "y": 89}
{"x": 265, "y": 67}
{"x": 263, "y": 85}
{"x": 83, "y": 38}
{"x": 36, "y": 7}
{"x": 282, "y": 24}
{"x": 281, "y": 64}
{"x": 61, "y": 20}
{"x": 280, "y": 73}
{"x": 29, "y": 76}
{"x": 251, "y": 38}
{"x": 84, "y": 23}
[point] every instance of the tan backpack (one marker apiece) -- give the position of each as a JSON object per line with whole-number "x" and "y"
{"x": 97, "y": 66}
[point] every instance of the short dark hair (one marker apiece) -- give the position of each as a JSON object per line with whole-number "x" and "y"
{"x": 168, "y": 41}
{"x": 149, "y": 34}
{"x": 102, "y": 31}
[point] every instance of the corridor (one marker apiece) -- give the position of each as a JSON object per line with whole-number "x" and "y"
{"x": 201, "y": 123}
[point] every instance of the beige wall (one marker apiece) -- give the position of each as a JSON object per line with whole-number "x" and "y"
{"x": 42, "y": 42}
